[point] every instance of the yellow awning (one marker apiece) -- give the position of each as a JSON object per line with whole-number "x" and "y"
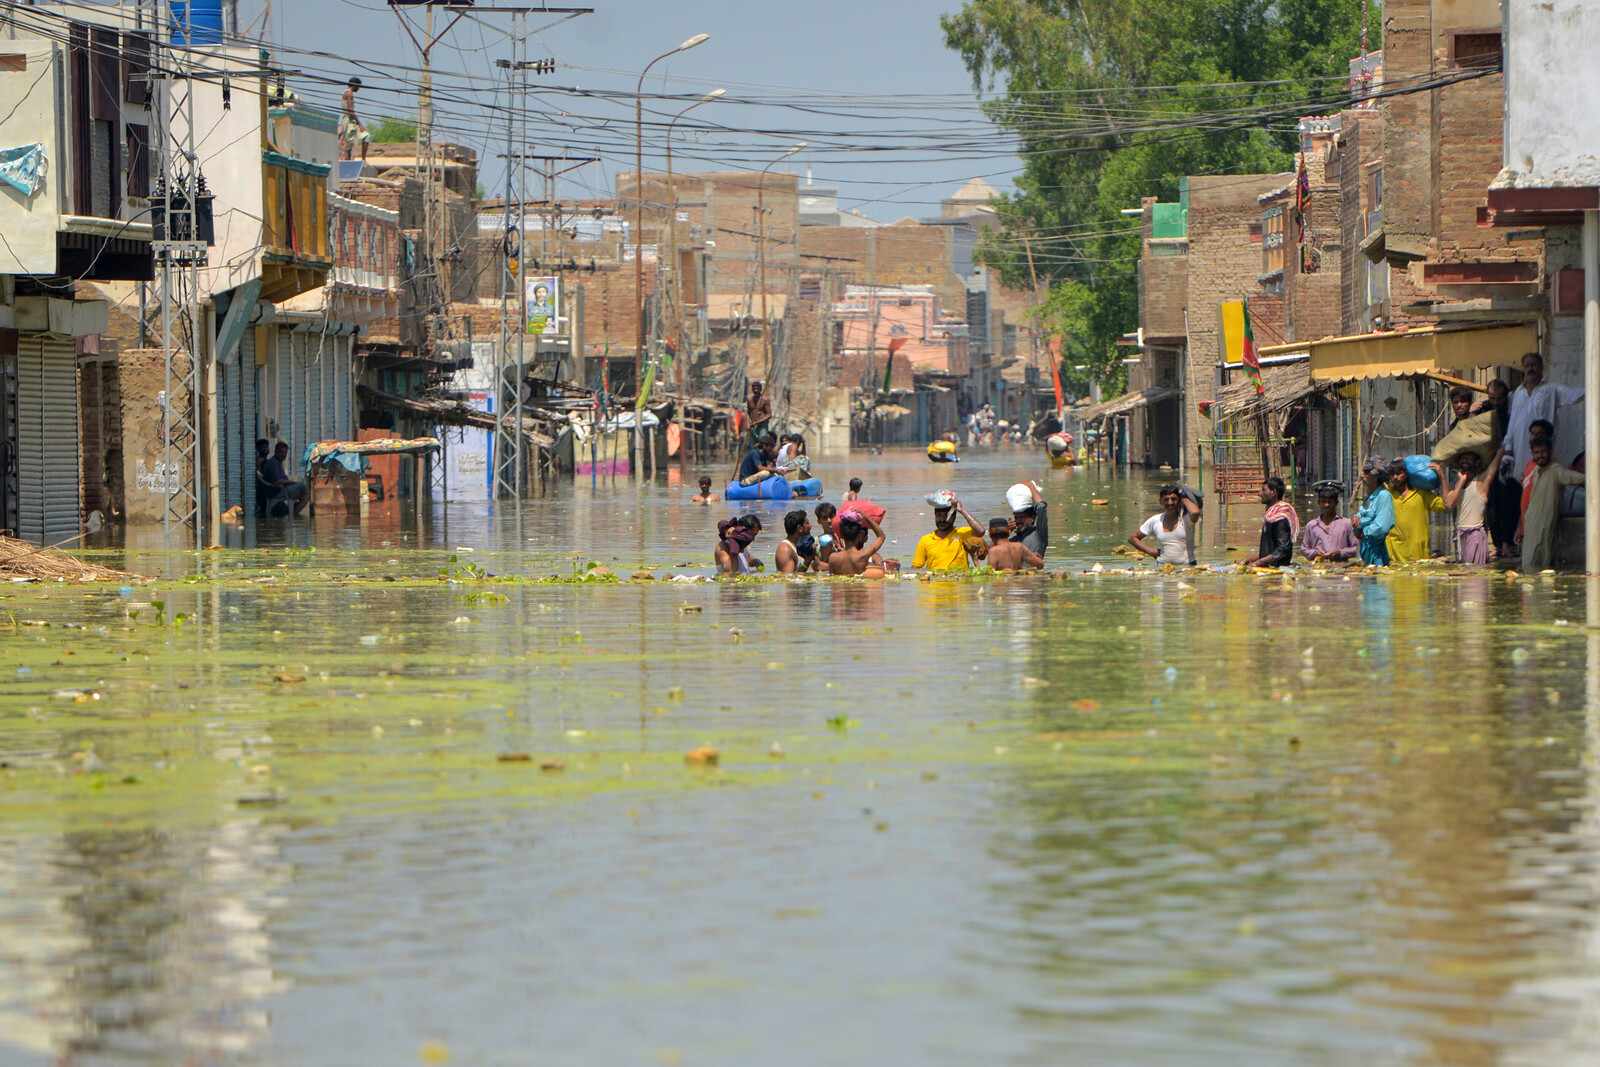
{"x": 1425, "y": 351}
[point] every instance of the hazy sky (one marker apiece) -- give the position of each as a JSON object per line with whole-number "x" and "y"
{"x": 890, "y": 154}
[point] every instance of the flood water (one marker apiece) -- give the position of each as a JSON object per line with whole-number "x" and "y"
{"x": 1201, "y": 818}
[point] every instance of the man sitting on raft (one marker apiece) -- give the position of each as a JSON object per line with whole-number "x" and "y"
{"x": 760, "y": 463}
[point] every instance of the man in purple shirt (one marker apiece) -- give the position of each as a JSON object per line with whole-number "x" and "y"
{"x": 1330, "y": 537}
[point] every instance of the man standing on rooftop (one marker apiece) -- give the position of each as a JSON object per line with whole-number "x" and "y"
{"x": 351, "y": 131}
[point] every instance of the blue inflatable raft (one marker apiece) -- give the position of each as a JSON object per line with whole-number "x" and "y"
{"x": 774, "y": 489}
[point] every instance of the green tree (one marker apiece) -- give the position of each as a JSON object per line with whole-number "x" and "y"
{"x": 393, "y": 131}
{"x": 1115, "y": 100}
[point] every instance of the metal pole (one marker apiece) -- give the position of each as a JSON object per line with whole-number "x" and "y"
{"x": 1591, "y": 375}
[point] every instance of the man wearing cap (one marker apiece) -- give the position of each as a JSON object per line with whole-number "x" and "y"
{"x": 949, "y": 547}
{"x": 351, "y": 132}
{"x": 1029, "y": 518}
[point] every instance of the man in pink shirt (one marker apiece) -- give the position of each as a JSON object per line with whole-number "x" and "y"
{"x": 1330, "y": 537}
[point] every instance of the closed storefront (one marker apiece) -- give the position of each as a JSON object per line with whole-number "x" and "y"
{"x": 237, "y": 426}
{"x": 46, "y": 438}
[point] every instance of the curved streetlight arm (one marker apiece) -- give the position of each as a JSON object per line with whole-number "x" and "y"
{"x": 638, "y": 203}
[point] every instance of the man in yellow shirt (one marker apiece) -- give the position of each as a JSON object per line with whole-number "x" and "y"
{"x": 1408, "y": 541}
{"x": 949, "y": 547}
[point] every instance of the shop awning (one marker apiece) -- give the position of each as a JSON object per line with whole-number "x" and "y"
{"x": 1283, "y": 387}
{"x": 1125, "y": 403}
{"x": 1425, "y": 351}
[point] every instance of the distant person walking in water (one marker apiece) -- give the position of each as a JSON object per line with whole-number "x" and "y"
{"x": 1279, "y": 527}
{"x": 705, "y": 495}
{"x": 855, "y": 490}
{"x": 1376, "y": 518}
{"x": 1173, "y": 529}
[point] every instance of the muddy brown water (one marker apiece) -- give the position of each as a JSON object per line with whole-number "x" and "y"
{"x": 1103, "y": 819}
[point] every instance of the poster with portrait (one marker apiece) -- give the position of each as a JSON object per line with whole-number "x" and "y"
{"x": 543, "y": 300}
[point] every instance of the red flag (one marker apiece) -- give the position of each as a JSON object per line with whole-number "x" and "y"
{"x": 1247, "y": 356}
{"x": 896, "y": 344}
{"x": 1055, "y": 369}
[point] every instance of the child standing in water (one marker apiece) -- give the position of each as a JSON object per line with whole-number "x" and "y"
{"x": 705, "y": 495}
{"x": 855, "y": 490}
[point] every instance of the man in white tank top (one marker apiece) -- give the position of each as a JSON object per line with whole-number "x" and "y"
{"x": 1469, "y": 495}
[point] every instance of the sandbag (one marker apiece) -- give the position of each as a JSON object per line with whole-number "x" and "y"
{"x": 1476, "y": 433}
{"x": 1420, "y": 475}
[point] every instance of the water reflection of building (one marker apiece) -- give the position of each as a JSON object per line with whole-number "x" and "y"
{"x": 145, "y": 944}
{"x": 1391, "y": 882}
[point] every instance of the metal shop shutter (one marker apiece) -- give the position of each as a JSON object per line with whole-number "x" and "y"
{"x": 48, "y": 496}
{"x": 297, "y": 404}
{"x": 343, "y": 392}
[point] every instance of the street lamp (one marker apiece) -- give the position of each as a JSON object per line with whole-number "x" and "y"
{"x": 761, "y": 250}
{"x": 638, "y": 208}
{"x": 672, "y": 240}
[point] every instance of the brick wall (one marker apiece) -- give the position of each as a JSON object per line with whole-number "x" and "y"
{"x": 1441, "y": 148}
{"x": 1223, "y": 265}
{"x": 141, "y": 374}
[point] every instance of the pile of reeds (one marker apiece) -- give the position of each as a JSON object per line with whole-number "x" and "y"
{"x": 19, "y": 559}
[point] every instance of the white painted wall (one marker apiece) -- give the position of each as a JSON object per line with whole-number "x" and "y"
{"x": 229, "y": 144}
{"x": 1552, "y": 126}
{"x": 33, "y": 100}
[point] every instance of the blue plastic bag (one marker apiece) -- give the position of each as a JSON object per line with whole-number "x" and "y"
{"x": 1420, "y": 474}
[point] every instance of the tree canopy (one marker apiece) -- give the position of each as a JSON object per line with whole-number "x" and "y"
{"x": 1115, "y": 100}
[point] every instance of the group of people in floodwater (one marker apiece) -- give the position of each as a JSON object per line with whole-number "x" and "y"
{"x": 848, "y": 538}
{"x": 1504, "y": 487}
{"x": 1508, "y": 505}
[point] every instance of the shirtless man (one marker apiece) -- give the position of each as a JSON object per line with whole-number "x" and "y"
{"x": 795, "y": 527}
{"x": 852, "y": 555}
{"x": 705, "y": 496}
{"x": 1006, "y": 554}
{"x": 351, "y": 132}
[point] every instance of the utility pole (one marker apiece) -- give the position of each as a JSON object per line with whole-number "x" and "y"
{"x": 436, "y": 290}
{"x": 179, "y": 252}
{"x": 509, "y": 447}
